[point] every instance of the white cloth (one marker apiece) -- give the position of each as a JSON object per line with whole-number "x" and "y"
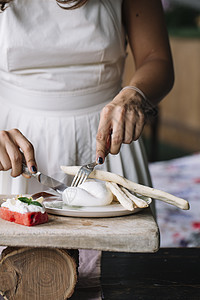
{"x": 58, "y": 68}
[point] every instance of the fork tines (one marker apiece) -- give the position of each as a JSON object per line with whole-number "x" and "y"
{"x": 82, "y": 174}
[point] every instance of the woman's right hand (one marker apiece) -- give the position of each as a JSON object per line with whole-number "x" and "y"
{"x": 12, "y": 144}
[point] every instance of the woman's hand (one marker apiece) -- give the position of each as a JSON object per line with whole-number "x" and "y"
{"x": 12, "y": 144}
{"x": 121, "y": 121}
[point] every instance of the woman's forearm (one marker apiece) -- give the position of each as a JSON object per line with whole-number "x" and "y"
{"x": 148, "y": 38}
{"x": 155, "y": 78}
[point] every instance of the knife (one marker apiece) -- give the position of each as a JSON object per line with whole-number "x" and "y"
{"x": 48, "y": 181}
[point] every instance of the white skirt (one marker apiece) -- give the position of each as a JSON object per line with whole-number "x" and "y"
{"x": 62, "y": 134}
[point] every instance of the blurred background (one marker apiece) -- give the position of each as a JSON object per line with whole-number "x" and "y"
{"x": 176, "y": 130}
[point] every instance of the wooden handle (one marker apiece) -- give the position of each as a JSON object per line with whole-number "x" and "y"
{"x": 132, "y": 186}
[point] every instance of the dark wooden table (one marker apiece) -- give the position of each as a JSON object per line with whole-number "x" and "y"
{"x": 169, "y": 274}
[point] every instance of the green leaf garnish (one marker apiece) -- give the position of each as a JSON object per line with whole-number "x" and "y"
{"x": 29, "y": 201}
{"x": 36, "y": 203}
{"x": 25, "y": 200}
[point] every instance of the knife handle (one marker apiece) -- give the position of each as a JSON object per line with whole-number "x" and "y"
{"x": 26, "y": 171}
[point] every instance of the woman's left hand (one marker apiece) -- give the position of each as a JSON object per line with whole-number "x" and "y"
{"x": 121, "y": 121}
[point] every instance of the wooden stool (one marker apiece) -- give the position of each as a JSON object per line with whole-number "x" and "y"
{"x": 38, "y": 273}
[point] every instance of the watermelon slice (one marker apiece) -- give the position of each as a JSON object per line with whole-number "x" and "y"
{"x": 29, "y": 218}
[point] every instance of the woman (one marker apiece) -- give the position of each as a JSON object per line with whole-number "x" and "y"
{"x": 61, "y": 65}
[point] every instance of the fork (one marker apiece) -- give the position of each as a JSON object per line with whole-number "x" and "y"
{"x": 82, "y": 174}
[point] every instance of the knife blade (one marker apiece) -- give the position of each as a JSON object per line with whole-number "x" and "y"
{"x": 48, "y": 181}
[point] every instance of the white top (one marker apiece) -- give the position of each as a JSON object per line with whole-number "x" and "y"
{"x": 46, "y": 48}
{"x": 58, "y": 68}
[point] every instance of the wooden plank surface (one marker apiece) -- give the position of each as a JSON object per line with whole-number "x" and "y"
{"x": 168, "y": 274}
{"x": 134, "y": 233}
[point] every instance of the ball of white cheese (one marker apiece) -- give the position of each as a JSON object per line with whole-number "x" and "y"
{"x": 90, "y": 193}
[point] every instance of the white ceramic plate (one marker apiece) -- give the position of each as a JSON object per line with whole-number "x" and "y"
{"x": 112, "y": 210}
